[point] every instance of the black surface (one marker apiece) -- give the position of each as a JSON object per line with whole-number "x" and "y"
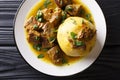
{"x": 13, "y": 66}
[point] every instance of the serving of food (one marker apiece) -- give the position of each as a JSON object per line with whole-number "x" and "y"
{"x": 60, "y": 37}
{"x": 60, "y": 31}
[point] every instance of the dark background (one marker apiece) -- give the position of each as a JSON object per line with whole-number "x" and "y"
{"x": 13, "y": 66}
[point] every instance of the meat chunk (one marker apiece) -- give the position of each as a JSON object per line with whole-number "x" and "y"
{"x": 48, "y": 30}
{"x": 46, "y": 44}
{"x": 52, "y": 16}
{"x": 62, "y": 3}
{"x": 48, "y": 34}
{"x": 34, "y": 37}
{"x": 30, "y": 23}
{"x": 33, "y": 24}
{"x": 56, "y": 17}
{"x": 47, "y": 13}
{"x": 86, "y": 34}
{"x": 73, "y": 9}
{"x": 55, "y": 55}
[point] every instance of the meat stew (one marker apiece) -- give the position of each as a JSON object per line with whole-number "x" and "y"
{"x": 42, "y": 23}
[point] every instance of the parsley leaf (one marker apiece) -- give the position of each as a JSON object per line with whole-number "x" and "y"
{"x": 41, "y": 56}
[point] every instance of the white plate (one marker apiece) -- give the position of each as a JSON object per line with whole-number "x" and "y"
{"x": 53, "y": 70}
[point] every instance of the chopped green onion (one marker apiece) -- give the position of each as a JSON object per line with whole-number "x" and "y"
{"x": 64, "y": 61}
{"x": 35, "y": 26}
{"x": 64, "y": 16}
{"x": 36, "y": 17}
{"x": 79, "y": 43}
{"x": 41, "y": 56}
{"x": 68, "y": 8}
{"x": 88, "y": 16}
{"x": 46, "y": 3}
{"x": 37, "y": 47}
{"x": 73, "y": 35}
{"x": 39, "y": 14}
{"x": 40, "y": 19}
{"x": 37, "y": 38}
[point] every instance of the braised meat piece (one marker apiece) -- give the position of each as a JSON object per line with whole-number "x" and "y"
{"x": 47, "y": 13}
{"x": 48, "y": 30}
{"x": 30, "y": 23}
{"x": 62, "y": 3}
{"x": 52, "y": 16}
{"x": 44, "y": 32}
{"x": 86, "y": 34}
{"x": 55, "y": 55}
{"x": 46, "y": 44}
{"x": 48, "y": 34}
{"x": 56, "y": 17}
{"x": 73, "y": 10}
{"x": 34, "y": 37}
{"x": 33, "y": 24}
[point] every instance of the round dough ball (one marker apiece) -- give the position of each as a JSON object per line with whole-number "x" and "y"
{"x": 72, "y": 24}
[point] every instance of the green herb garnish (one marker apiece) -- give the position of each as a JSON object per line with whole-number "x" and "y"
{"x": 88, "y": 16}
{"x": 79, "y": 43}
{"x": 37, "y": 38}
{"x": 35, "y": 26}
{"x": 64, "y": 16}
{"x": 40, "y": 19}
{"x": 68, "y": 8}
{"x": 39, "y": 14}
{"x": 73, "y": 35}
{"x": 64, "y": 61}
{"x": 46, "y": 3}
{"x": 36, "y": 17}
{"x": 41, "y": 56}
{"x": 37, "y": 47}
